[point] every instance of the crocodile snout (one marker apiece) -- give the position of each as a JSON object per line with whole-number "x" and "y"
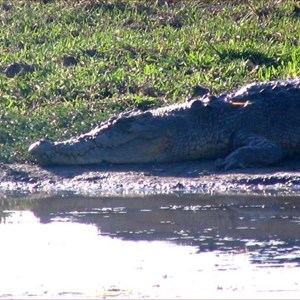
{"x": 42, "y": 151}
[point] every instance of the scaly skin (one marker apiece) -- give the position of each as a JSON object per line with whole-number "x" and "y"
{"x": 256, "y": 125}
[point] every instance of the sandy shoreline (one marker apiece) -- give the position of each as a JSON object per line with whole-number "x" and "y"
{"x": 150, "y": 179}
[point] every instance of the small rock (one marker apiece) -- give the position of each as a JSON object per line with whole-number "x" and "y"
{"x": 6, "y": 6}
{"x": 74, "y": 33}
{"x": 18, "y": 67}
{"x": 70, "y": 61}
{"x": 12, "y": 70}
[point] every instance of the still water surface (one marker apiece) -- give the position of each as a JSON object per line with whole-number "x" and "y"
{"x": 187, "y": 246}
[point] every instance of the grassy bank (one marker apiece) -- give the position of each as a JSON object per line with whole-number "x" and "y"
{"x": 67, "y": 65}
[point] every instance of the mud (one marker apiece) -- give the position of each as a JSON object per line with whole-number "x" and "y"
{"x": 145, "y": 179}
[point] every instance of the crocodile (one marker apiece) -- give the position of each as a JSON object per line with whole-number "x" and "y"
{"x": 255, "y": 125}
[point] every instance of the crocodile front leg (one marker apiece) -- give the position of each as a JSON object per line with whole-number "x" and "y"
{"x": 250, "y": 150}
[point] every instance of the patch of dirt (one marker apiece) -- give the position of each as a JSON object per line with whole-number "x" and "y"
{"x": 141, "y": 179}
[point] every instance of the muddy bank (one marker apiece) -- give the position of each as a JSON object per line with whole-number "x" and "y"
{"x": 187, "y": 177}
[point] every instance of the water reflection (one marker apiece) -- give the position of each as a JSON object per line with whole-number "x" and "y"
{"x": 267, "y": 227}
{"x": 67, "y": 246}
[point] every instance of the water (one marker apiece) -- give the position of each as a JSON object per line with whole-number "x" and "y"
{"x": 187, "y": 246}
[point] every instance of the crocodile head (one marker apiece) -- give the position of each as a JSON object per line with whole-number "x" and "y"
{"x": 129, "y": 138}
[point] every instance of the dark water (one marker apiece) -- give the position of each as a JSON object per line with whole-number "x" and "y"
{"x": 186, "y": 246}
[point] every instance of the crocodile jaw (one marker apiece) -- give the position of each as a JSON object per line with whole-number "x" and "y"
{"x": 42, "y": 151}
{"x": 74, "y": 152}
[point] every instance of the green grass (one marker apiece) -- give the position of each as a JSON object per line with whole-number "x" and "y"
{"x": 86, "y": 60}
